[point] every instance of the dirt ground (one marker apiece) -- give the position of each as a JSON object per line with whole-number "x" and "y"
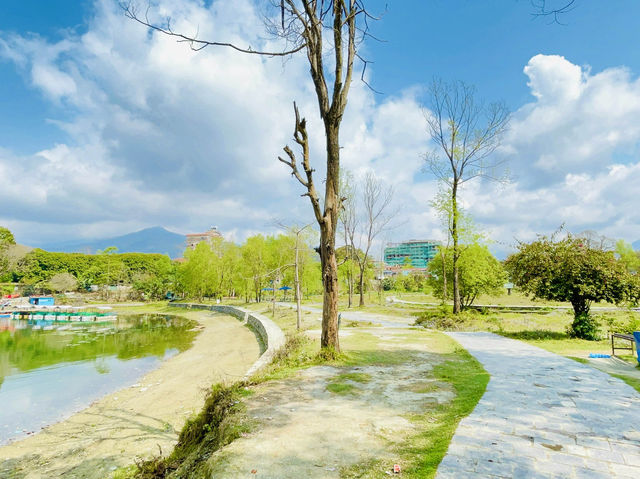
{"x": 307, "y": 428}
{"x": 141, "y": 420}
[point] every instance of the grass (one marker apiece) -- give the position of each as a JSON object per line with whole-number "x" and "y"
{"x": 631, "y": 381}
{"x": 342, "y": 388}
{"x": 423, "y": 452}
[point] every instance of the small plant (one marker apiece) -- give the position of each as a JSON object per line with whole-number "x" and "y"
{"x": 584, "y": 326}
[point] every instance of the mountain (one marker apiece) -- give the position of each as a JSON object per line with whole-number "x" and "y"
{"x": 636, "y": 245}
{"x": 149, "y": 240}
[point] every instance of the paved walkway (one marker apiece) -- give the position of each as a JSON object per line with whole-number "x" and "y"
{"x": 544, "y": 416}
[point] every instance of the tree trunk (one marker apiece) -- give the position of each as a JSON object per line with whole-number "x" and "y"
{"x": 580, "y": 307}
{"x": 297, "y": 286}
{"x": 454, "y": 235}
{"x": 350, "y": 284}
{"x": 362, "y": 284}
{"x": 328, "y": 227}
{"x": 444, "y": 276}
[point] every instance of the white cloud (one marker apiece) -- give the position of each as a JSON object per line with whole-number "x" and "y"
{"x": 158, "y": 134}
{"x": 578, "y": 123}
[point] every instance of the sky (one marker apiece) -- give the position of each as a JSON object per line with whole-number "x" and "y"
{"x": 107, "y": 129}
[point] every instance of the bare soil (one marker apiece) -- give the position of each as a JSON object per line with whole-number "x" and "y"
{"x": 325, "y": 420}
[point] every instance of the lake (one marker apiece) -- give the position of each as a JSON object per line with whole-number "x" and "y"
{"x": 50, "y": 370}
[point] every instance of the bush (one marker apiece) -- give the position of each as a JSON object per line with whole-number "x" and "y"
{"x": 626, "y": 325}
{"x": 584, "y": 326}
{"x": 443, "y": 318}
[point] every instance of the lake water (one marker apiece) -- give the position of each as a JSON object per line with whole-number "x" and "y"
{"x": 48, "y": 374}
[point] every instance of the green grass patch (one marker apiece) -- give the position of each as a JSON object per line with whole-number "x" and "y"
{"x": 423, "y": 452}
{"x": 342, "y": 389}
{"x": 355, "y": 377}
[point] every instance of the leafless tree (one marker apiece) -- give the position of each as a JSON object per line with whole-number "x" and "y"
{"x": 349, "y": 222}
{"x": 466, "y": 134}
{"x": 302, "y": 24}
{"x": 296, "y": 231}
{"x": 376, "y": 201}
{"x": 594, "y": 240}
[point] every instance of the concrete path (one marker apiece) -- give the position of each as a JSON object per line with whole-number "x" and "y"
{"x": 544, "y": 416}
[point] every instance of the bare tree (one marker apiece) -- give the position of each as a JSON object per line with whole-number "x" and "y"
{"x": 302, "y": 24}
{"x": 376, "y": 200}
{"x": 466, "y": 135}
{"x": 349, "y": 221}
{"x": 296, "y": 265}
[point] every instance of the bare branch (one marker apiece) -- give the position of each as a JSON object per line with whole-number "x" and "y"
{"x": 194, "y": 42}
{"x": 554, "y": 13}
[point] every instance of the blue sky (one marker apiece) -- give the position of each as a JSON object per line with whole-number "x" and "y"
{"x": 126, "y": 131}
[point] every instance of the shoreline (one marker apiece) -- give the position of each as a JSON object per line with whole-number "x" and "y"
{"x": 140, "y": 420}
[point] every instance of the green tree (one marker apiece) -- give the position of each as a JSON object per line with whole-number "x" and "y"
{"x": 628, "y": 257}
{"x": 6, "y": 242}
{"x": 570, "y": 270}
{"x": 479, "y": 272}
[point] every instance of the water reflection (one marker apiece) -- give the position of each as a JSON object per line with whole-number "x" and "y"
{"x": 49, "y": 370}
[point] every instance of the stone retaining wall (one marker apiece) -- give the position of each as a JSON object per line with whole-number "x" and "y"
{"x": 270, "y": 335}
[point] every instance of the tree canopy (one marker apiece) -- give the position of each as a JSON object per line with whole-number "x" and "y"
{"x": 570, "y": 270}
{"x": 479, "y": 273}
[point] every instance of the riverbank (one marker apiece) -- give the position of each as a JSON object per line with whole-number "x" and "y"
{"x": 141, "y": 420}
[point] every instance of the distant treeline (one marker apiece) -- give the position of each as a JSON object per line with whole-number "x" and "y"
{"x": 39, "y": 266}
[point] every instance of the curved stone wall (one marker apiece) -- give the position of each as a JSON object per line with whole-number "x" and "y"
{"x": 268, "y": 332}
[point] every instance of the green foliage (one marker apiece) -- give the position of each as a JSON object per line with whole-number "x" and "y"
{"x": 6, "y": 237}
{"x": 479, "y": 272}
{"x": 39, "y": 266}
{"x": 621, "y": 323}
{"x": 627, "y": 256}
{"x": 570, "y": 270}
{"x": 443, "y": 318}
{"x": 6, "y": 242}
{"x": 584, "y": 326}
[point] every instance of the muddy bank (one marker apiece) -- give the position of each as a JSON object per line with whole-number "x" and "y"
{"x": 141, "y": 420}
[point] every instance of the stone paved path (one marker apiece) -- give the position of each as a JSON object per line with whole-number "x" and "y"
{"x": 544, "y": 416}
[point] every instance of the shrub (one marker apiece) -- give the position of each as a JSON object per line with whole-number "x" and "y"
{"x": 584, "y": 326}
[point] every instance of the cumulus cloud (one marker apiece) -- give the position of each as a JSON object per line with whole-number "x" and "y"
{"x": 579, "y": 123}
{"x": 153, "y": 133}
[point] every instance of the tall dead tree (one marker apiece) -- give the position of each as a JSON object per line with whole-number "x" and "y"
{"x": 466, "y": 134}
{"x": 302, "y": 24}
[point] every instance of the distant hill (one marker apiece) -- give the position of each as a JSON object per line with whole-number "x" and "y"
{"x": 636, "y": 245}
{"x": 149, "y": 240}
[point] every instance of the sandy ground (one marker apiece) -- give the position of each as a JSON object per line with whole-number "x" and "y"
{"x": 141, "y": 420}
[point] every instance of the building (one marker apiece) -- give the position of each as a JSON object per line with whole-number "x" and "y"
{"x": 194, "y": 238}
{"x": 42, "y": 300}
{"x": 419, "y": 253}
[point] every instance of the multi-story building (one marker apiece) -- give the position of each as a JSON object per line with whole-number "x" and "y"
{"x": 194, "y": 238}
{"x": 419, "y": 252}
